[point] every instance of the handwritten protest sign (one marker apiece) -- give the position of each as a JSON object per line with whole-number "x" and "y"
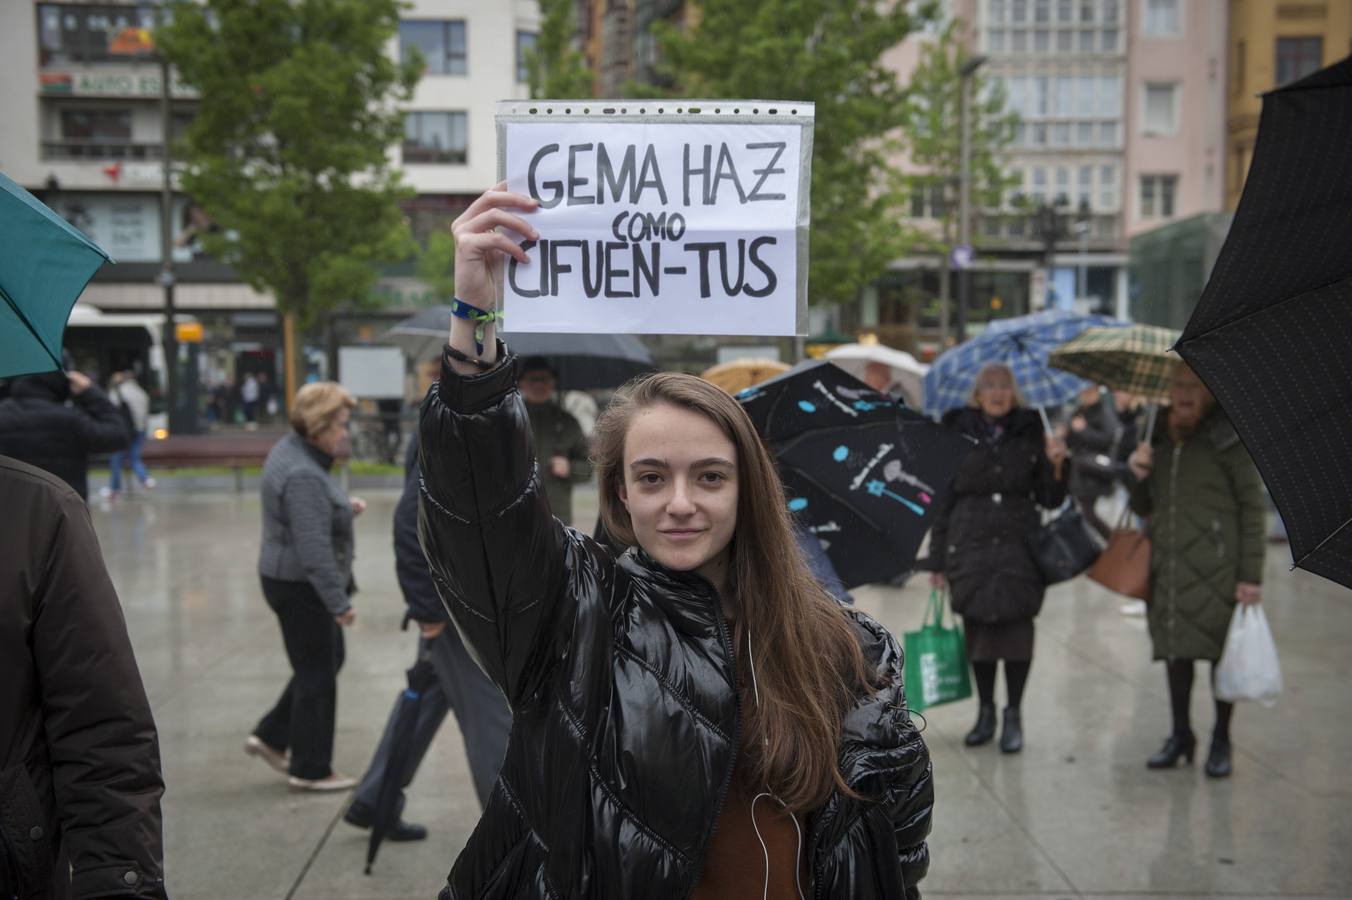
{"x": 688, "y": 217}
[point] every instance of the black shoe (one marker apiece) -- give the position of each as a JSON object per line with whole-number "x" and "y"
{"x": 984, "y": 729}
{"x": 360, "y": 815}
{"x": 1011, "y": 734}
{"x": 1218, "y": 760}
{"x": 1178, "y": 745}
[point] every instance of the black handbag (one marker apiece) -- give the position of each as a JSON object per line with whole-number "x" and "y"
{"x": 1064, "y": 547}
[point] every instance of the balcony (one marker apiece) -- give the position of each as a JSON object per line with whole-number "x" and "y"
{"x": 100, "y": 151}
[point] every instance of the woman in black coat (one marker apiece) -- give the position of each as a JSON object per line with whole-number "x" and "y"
{"x": 977, "y": 543}
{"x": 693, "y": 718}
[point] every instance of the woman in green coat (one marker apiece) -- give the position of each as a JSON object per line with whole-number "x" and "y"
{"x": 1205, "y": 503}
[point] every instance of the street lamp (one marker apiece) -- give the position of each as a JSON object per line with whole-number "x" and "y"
{"x": 966, "y": 72}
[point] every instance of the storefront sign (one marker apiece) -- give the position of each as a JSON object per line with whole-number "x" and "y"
{"x": 101, "y": 83}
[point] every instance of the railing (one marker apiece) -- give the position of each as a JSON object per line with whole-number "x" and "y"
{"x": 79, "y": 150}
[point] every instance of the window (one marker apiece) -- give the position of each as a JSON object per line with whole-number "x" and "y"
{"x": 1108, "y": 134}
{"x": 441, "y": 42}
{"x": 1109, "y": 96}
{"x": 1061, "y": 134}
{"x": 1086, "y": 10}
{"x": 1108, "y": 188}
{"x": 927, "y": 199}
{"x": 1039, "y": 193}
{"x": 1110, "y": 12}
{"x": 1019, "y": 11}
{"x": 1084, "y": 134}
{"x": 1018, "y": 41}
{"x": 525, "y": 46}
{"x": 1110, "y": 39}
{"x": 1039, "y": 135}
{"x": 1084, "y": 95}
{"x": 102, "y": 126}
{"x": 1042, "y": 40}
{"x": 95, "y": 33}
{"x": 1298, "y": 57}
{"x": 995, "y": 40}
{"x": 1065, "y": 41}
{"x": 1087, "y": 41}
{"x": 996, "y": 14}
{"x": 1161, "y": 18}
{"x": 1160, "y": 116}
{"x": 1065, "y": 11}
{"x": 1042, "y": 11}
{"x": 1157, "y": 196}
{"x": 436, "y": 137}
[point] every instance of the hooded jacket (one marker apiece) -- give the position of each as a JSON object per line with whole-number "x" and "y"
{"x": 978, "y": 536}
{"x": 80, "y": 780}
{"x": 1207, "y": 524}
{"x": 38, "y": 427}
{"x": 624, "y": 695}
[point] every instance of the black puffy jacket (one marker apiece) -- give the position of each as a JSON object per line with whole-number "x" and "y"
{"x": 623, "y": 692}
{"x": 38, "y": 427}
{"x": 978, "y": 536}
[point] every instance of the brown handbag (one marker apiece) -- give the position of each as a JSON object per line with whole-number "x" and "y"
{"x": 1124, "y": 565}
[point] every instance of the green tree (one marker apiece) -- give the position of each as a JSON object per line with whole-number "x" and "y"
{"x": 436, "y": 264}
{"x": 829, "y": 52}
{"x": 932, "y": 131}
{"x": 288, "y": 150}
{"x": 558, "y": 70}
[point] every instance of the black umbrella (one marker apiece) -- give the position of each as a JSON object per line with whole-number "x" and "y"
{"x": 1272, "y": 333}
{"x": 862, "y": 474}
{"x": 583, "y": 361}
{"x": 386, "y": 813}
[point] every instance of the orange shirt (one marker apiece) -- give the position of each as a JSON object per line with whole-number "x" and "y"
{"x": 734, "y": 867}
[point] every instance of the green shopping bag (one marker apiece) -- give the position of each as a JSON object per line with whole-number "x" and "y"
{"x": 936, "y": 660}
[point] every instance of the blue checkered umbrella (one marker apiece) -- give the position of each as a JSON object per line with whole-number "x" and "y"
{"x": 1021, "y": 343}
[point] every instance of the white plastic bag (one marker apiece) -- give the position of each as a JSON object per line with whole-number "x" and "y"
{"x": 1248, "y": 669}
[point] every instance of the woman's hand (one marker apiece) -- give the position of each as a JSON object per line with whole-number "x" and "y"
{"x": 1055, "y": 449}
{"x": 1248, "y": 594}
{"x": 431, "y": 630}
{"x": 938, "y": 581}
{"x": 358, "y": 505}
{"x": 559, "y": 467}
{"x": 1141, "y": 461}
{"x": 480, "y": 248}
{"x": 346, "y": 617}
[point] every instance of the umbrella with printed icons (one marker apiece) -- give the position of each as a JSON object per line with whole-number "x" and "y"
{"x": 45, "y": 264}
{"x": 862, "y": 474}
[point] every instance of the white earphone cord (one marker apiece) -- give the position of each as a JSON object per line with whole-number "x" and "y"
{"x": 798, "y": 843}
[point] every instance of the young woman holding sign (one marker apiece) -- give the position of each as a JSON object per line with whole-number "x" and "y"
{"x": 695, "y": 718}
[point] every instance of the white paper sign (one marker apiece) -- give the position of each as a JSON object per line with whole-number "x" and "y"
{"x": 660, "y": 225}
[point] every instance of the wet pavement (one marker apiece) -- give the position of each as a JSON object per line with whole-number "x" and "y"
{"x": 1076, "y": 815}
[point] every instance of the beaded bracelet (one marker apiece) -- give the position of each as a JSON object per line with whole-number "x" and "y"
{"x": 480, "y": 364}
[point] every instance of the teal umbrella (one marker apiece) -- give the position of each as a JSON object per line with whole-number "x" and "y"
{"x": 44, "y": 266}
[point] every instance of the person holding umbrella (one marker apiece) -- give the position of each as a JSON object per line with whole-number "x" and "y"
{"x": 695, "y": 718}
{"x": 977, "y": 544}
{"x": 1206, "y": 509}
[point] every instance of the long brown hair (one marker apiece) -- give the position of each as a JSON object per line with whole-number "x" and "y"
{"x": 808, "y": 664}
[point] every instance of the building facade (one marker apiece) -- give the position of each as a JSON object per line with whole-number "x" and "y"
{"x": 84, "y": 132}
{"x": 1272, "y": 43}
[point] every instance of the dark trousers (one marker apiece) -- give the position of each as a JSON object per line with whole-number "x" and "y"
{"x": 303, "y": 717}
{"x": 481, "y": 710}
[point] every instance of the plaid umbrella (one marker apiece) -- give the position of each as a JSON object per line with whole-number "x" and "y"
{"x": 1021, "y": 343}
{"x": 1134, "y": 359}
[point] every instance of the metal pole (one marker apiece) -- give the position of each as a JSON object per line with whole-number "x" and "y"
{"x": 967, "y": 71}
{"x": 166, "y": 277}
{"x": 964, "y": 200}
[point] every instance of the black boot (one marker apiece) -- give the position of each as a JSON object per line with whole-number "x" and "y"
{"x": 1218, "y": 760}
{"x": 1011, "y": 735}
{"x": 984, "y": 729}
{"x": 361, "y": 816}
{"x": 1178, "y": 745}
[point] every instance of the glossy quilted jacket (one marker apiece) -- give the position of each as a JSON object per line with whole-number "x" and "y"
{"x": 623, "y": 691}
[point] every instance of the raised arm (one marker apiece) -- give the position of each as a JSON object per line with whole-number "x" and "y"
{"x": 501, "y": 562}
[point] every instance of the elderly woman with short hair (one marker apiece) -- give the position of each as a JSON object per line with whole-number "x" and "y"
{"x": 977, "y": 543}
{"x": 306, "y": 569}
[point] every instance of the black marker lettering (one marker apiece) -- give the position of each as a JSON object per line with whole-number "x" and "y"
{"x": 649, "y": 270}
{"x": 557, "y": 268}
{"x": 770, "y": 280}
{"x": 685, "y": 164}
{"x": 611, "y": 271}
{"x": 555, "y": 186}
{"x": 589, "y": 287}
{"x": 574, "y": 199}
{"x": 729, "y": 172}
{"x": 778, "y": 147}
{"x": 649, "y": 175}
{"x": 732, "y": 290}
{"x": 605, "y": 175}
{"x": 704, "y": 249}
{"x": 511, "y": 273}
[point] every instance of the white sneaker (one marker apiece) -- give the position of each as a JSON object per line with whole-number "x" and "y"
{"x": 149, "y": 484}
{"x": 253, "y": 746}
{"x": 333, "y": 782}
